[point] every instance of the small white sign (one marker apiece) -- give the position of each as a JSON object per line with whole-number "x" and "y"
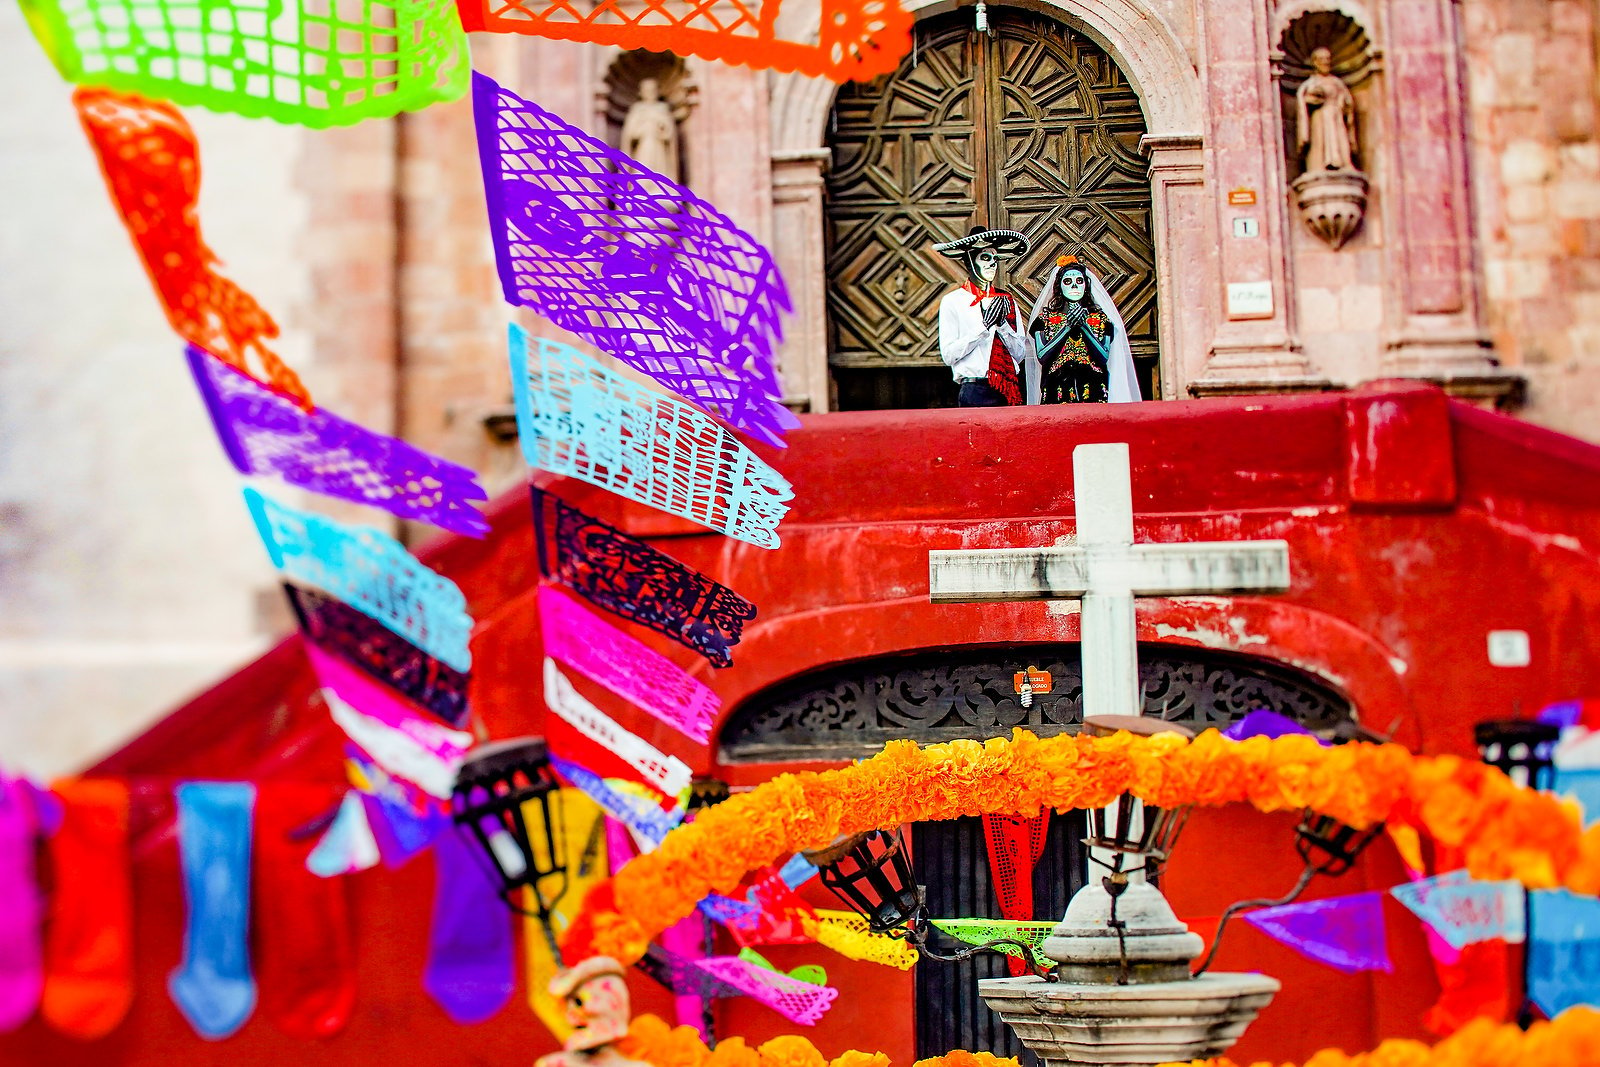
{"x": 1250, "y": 300}
{"x": 1509, "y": 648}
{"x": 1244, "y": 226}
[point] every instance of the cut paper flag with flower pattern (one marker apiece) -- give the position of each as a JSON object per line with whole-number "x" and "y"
{"x": 370, "y": 571}
{"x": 681, "y": 976}
{"x": 781, "y": 917}
{"x": 582, "y": 640}
{"x": 981, "y": 931}
{"x": 1346, "y": 933}
{"x": 1564, "y": 951}
{"x": 1463, "y": 911}
{"x": 347, "y": 845}
{"x": 849, "y": 935}
{"x": 797, "y": 871}
{"x": 795, "y": 1000}
{"x": 407, "y": 746}
{"x": 265, "y": 434}
{"x": 727, "y": 910}
{"x": 809, "y": 973}
{"x": 575, "y": 417}
{"x": 314, "y": 62}
{"x": 637, "y": 581}
{"x": 151, "y": 164}
{"x": 364, "y": 642}
{"x": 667, "y": 773}
{"x": 854, "y": 40}
{"x": 633, "y": 263}
{"x": 648, "y": 821}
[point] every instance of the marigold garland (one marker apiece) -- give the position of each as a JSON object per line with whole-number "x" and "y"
{"x": 1571, "y": 1040}
{"x": 653, "y": 1041}
{"x": 1506, "y": 831}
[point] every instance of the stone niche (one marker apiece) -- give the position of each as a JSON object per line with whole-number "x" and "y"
{"x": 1330, "y": 181}
{"x": 620, "y": 91}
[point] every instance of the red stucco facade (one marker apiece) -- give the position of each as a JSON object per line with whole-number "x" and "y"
{"x": 1416, "y": 525}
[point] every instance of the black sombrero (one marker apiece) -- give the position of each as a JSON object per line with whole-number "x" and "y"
{"x": 1006, "y": 244}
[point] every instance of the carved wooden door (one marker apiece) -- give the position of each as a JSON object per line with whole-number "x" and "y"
{"x": 1030, "y": 126}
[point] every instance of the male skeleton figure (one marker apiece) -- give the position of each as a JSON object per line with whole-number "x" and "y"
{"x": 979, "y": 336}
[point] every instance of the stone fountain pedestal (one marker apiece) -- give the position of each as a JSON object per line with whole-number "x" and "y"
{"x": 1129, "y": 999}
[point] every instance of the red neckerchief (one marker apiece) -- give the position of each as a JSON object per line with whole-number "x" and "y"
{"x": 978, "y": 295}
{"x": 1002, "y": 373}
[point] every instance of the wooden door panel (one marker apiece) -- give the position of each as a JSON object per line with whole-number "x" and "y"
{"x": 1032, "y": 126}
{"x": 904, "y": 157}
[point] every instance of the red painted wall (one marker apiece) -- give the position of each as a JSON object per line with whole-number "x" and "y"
{"x": 1415, "y": 524}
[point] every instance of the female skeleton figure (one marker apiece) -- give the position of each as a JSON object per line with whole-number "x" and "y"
{"x": 1080, "y": 342}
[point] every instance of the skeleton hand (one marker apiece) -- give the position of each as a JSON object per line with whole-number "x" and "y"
{"x": 996, "y": 309}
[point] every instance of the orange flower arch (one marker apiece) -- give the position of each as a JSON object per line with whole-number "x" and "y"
{"x": 1571, "y": 1040}
{"x": 1505, "y": 830}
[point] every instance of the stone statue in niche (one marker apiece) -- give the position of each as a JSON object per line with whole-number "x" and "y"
{"x": 1325, "y": 127}
{"x": 1331, "y": 192}
{"x": 650, "y": 131}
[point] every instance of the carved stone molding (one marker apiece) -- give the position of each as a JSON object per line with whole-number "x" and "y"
{"x": 1332, "y": 203}
{"x": 852, "y": 710}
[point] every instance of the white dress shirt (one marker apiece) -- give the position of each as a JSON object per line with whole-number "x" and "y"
{"x": 965, "y": 342}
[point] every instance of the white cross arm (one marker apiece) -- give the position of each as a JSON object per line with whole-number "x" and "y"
{"x": 1187, "y": 567}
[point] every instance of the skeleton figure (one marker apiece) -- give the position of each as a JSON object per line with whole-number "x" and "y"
{"x": 598, "y": 1010}
{"x": 1080, "y": 341}
{"x": 978, "y": 335}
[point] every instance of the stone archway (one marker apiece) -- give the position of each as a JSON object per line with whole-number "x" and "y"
{"x": 1149, "y": 52}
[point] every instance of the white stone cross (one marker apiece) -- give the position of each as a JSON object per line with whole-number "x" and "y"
{"x": 1107, "y": 570}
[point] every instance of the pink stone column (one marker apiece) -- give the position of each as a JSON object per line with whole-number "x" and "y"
{"x": 1251, "y": 345}
{"x": 1435, "y": 306}
{"x": 1186, "y": 257}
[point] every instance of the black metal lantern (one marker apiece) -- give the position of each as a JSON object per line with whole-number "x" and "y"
{"x": 1129, "y": 826}
{"x": 1329, "y": 846}
{"x": 871, "y": 872}
{"x": 1524, "y": 750}
{"x": 507, "y": 795}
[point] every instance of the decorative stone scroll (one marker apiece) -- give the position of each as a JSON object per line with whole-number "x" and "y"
{"x": 575, "y": 417}
{"x": 383, "y": 654}
{"x": 667, "y": 773}
{"x": 151, "y": 164}
{"x": 315, "y": 62}
{"x": 855, "y": 39}
{"x": 797, "y": 1001}
{"x": 265, "y": 434}
{"x": 645, "y": 819}
{"x": 631, "y": 261}
{"x": 371, "y": 572}
{"x": 637, "y": 581}
{"x": 629, "y": 668}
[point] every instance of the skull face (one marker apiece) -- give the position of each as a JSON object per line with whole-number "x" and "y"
{"x": 598, "y": 1012}
{"x": 985, "y": 265}
{"x": 1074, "y": 285}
